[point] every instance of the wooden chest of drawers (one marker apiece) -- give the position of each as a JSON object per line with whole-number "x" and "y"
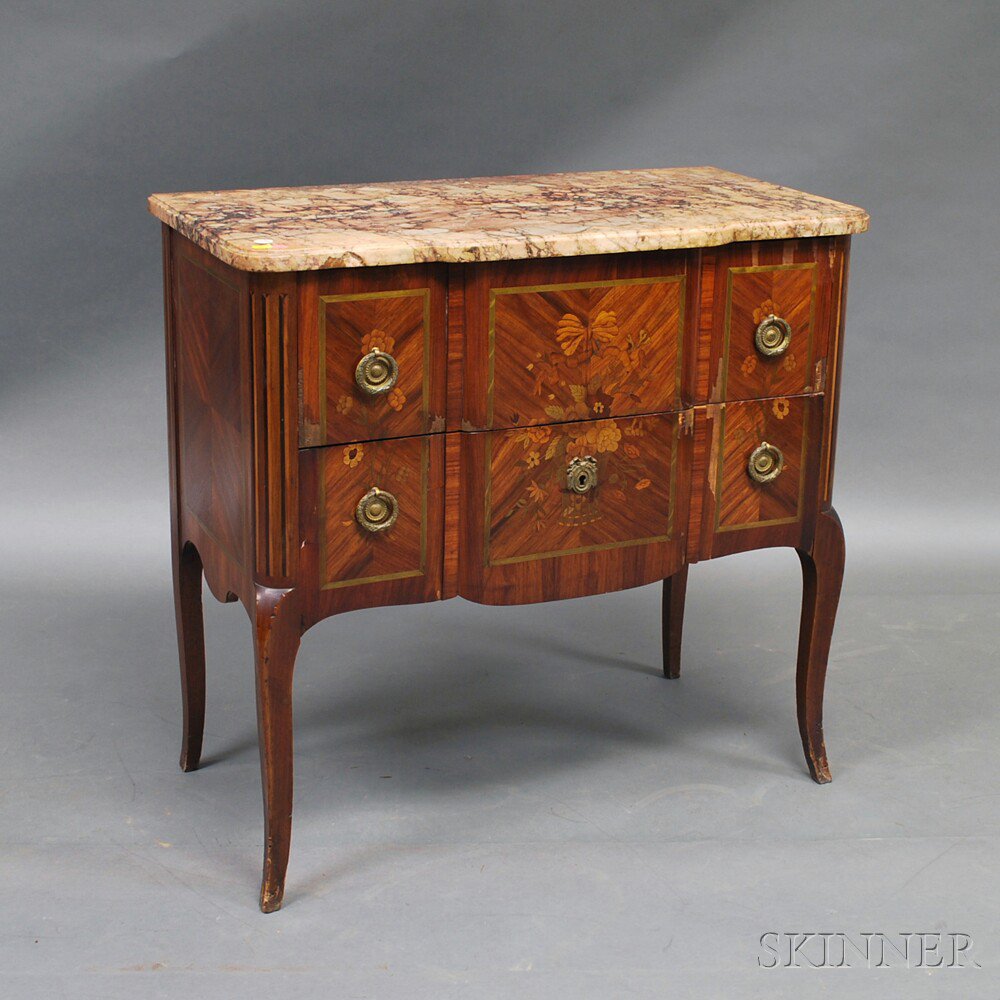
{"x": 508, "y": 389}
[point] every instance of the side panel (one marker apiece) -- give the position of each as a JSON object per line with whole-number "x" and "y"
{"x": 208, "y": 350}
{"x": 833, "y": 377}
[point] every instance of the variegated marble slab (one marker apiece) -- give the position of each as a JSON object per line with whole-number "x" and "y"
{"x": 496, "y": 218}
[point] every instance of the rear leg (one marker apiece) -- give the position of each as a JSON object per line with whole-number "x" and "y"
{"x": 191, "y": 647}
{"x": 674, "y": 592}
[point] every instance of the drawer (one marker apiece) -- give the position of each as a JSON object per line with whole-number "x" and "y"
{"x": 757, "y": 462}
{"x": 567, "y": 509}
{"x": 372, "y": 519}
{"x": 768, "y": 318}
{"x": 578, "y": 339}
{"x": 372, "y": 351}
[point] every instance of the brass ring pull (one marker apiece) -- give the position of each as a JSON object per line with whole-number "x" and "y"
{"x": 766, "y": 463}
{"x": 377, "y": 510}
{"x": 773, "y": 336}
{"x": 376, "y": 373}
{"x": 581, "y": 474}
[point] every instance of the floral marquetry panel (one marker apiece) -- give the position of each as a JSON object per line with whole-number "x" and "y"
{"x": 604, "y": 350}
{"x": 575, "y": 340}
{"x": 351, "y": 554}
{"x": 532, "y": 513}
{"x": 373, "y": 355}
{"x": 767, "y": 318}
{"x": 786, "y": 292}
{"x": 784, "y": 425}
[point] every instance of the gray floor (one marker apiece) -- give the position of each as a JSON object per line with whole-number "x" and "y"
{"x": 501, "y": 802}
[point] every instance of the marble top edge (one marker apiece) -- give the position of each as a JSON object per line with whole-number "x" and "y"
{"x": 496, "y": 218}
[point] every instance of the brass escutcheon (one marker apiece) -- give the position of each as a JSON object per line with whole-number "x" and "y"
{"x": 377, "y": 510}
{"x": 376, "y": 373}
{"x": 581, "y": 474}
{"x": 773, "y": 336}
{"x": 766, "y": 463}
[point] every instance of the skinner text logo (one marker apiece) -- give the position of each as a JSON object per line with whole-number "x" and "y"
{"x": 866, "y": 950}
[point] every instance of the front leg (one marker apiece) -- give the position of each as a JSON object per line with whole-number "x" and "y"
{"x": 822, "y": 573}
{"x": 277, "y": 633}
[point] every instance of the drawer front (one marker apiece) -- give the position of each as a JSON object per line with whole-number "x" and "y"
{"x": 581, "y": 339}
{"x": 373, "y": 519}
{"x": 758, "y": 464}
{"x": 373, "y": 354}
{"x": 768, "y": 318}
{"x": 567, "y": 509}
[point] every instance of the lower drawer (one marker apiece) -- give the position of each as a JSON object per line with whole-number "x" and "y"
{"x": 563, "y": 510}
{"x": 372, "y": 520}
{"x": 756, "y": 466}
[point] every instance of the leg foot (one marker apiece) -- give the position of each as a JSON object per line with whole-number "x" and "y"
{"x": 191, "y": 646}
{"x": 674, "y": 591}
{"x": 822, "y": 573}
{"x": 277, "y": 632}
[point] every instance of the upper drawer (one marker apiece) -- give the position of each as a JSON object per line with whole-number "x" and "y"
{"x": 766, "y": 318}
{"x": 372, "y": 352}
{"x": 576, "y": 339}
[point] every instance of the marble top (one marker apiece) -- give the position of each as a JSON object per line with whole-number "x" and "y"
{"x": 496, "y": 218}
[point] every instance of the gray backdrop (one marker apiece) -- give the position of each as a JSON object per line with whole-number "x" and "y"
{"x": 889, "y": 106}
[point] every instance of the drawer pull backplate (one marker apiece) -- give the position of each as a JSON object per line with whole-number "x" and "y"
{"x": 376, "y": 373}
{"x": 377, "y": 510}
{"x": 773, "y": 336}
{"x": 766, "y": 463}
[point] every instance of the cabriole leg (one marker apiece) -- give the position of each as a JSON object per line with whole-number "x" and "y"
{"x": 822, "y": 573}
{"x": 277, "y": 633}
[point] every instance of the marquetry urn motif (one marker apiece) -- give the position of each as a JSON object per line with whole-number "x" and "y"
{"x": 533, "y": 510}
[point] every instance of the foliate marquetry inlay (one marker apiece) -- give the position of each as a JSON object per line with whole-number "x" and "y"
{"x": 585, "y": 350}
{"x": 533, "y": 511}
{"x": 761, "y": 463}
{"x": 373, "y": 511}
{"x": 374, "y": 377}
{"x": 275, "y": 410}
{"x": 768, "y": 338}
